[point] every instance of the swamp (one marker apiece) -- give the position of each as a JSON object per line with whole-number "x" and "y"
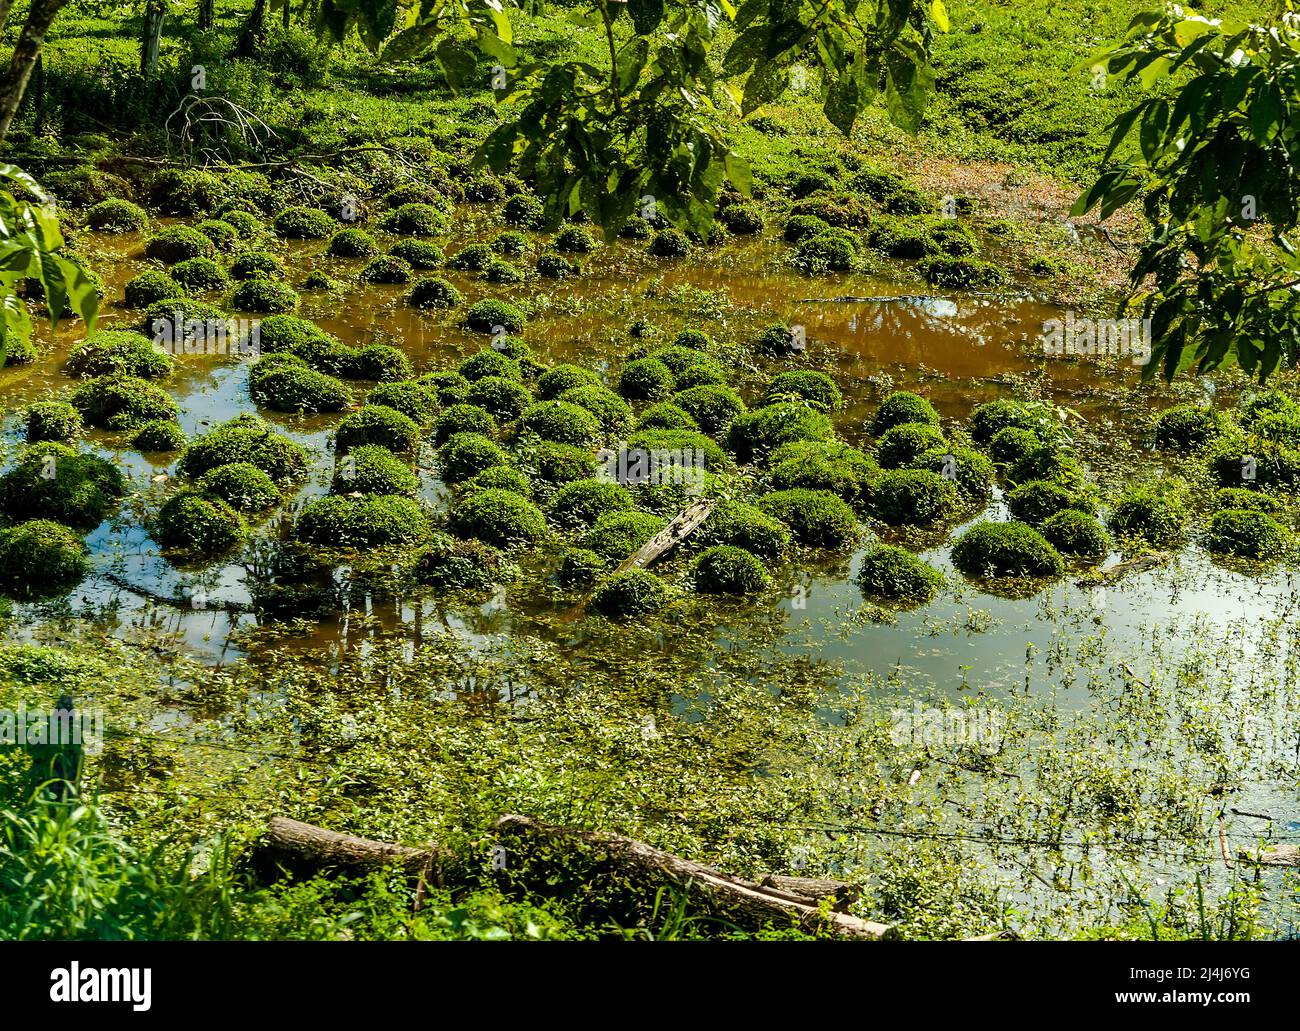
{"x": 681, "y": 470}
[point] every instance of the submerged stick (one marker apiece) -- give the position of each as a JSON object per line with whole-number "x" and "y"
{"x": 209, "y": 604}
{"x": 740, "y": 899}
{"x": 1275, "y": 855}
{"x": 1138, "y": 564}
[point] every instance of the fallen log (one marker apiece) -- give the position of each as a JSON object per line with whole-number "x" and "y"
{"x": 813, "y": 889}
{"x": 292, "y": 839}
{"x": 1137, "y": 564}
{"x": 904, "y": 298}
{"x": 1275, "y": 855}
{"x": 739, "y": 899}
{"x": 683, "y": 524}
{"x": 773, "y": 899}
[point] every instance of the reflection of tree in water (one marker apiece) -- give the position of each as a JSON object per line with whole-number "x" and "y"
{"x": 972, "y": 336}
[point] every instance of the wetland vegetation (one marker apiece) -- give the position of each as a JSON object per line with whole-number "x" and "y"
{"x": 353, "y": 351}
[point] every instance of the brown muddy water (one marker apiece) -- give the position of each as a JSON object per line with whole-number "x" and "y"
{"x": 955, "y": 348}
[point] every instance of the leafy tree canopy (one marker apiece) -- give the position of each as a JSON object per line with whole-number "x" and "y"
{"x": 1212, "y": 153}
{"x": 643, "y": 130}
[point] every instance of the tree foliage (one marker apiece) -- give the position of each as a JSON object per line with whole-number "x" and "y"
{"x": 644, "y": 131}
{"x": 1212, "y": 151}
{"x": 30, "y": 242}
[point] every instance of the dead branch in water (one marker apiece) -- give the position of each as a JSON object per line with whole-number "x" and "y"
{"x": 685, "y": 523}
{"x": 810, "y": 903}
{"x": 1137, "y": 564}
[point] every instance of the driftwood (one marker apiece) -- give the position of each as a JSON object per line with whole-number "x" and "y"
{"x": 738, "y": 898}
{"x": 683, "y": 524}
{"x": 772, "y": 899}
{"x": 841, "y": 894}
{"x": 1275, "y": 855}
{"x": 1138, "y": 564}
{"x": 152, "y": 162}
{"x": 902, "y": 298}
{"x": 319, "y": 847}
{"x": 1223, "y": 844}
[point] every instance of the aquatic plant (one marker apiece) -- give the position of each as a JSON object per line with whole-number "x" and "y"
{"x": 199, "y": 524}
{"x": 646, "y": 379}
{"x": 499, "y": 517}
{"x": 895, "y": 574}
{"x": 1005, "y": 550}
{"x": 371, "y": 469}
{"x": 176, "y": 243}
{"x": 758, "y": 432}
{"x": 241, "y": 485}
{"x": 562, "y": 422}
{"x": 913, "y": 497}
{"x": 40, "y": 557}
{"x": 579, "y": 503}
{"x": 816, "y": 518}
{"x": 303, "y": 223}
{"x": 635, "y": 592}
{"x": 376, "y": 424}
{"x": 52, "y": 481}
{"x": 120, "y": 402}
{"x": 812, "y": 386}
{"x": 902, "y": 407}
{"x": 564, "y": 377}
{"x": 352, "y": 243}
{"x": 374, "y": 521}
{"x": 117, "y": 215}
{"x": 729, "y": 570}
{"x": 467, "y": 454}
{"x": 148, "y": 287}
{"x": 245, "y": 439}
{"x": 53, "y": 420}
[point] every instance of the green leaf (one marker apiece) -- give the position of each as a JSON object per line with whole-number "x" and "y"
{"x": 646, "y": 15}
{"x": 842, "y": 103}
{"x": 1152, "y": 132}
{"x": 409, "y": 43}
{"x": 766, "y": 83}
{"x": 1154, "y": 71}
{"x": 1123, "y": 125}
{"x": 1266, "y": 113}
{"x": 738, "y": 171}
{"x": 495, "y": 47}
{"x": 908, "y": 85}
{"x": 631, "y": 62}
{"x": 456, "y": 61}
{"x": 748, "y": 48}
